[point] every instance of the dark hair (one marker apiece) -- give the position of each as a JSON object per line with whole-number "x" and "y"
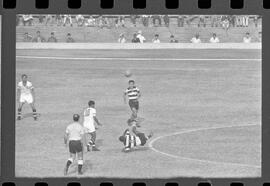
{"x": 38, "y": 31}
{"x": 156, "y": 35}
{"x": 76, "y": 117}
{"x": 91, "y": 102}
{"x": 69, "y": 34}
{"x": 130, "y": 120}
{"x": 52, "y": 33}
{"x": 24, "y": 75}
{"x": 131, "y": 81}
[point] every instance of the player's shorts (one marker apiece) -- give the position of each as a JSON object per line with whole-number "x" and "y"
{"x": 143, "y": 138}
{"x": 26, "y": 98}
{"x": 134, "y": 103}
{"x": 89, "y": 128}
{"x": 75, "y": 146}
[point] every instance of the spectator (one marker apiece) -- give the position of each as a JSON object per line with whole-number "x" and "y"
{"x": 202, "y": 21}
{"x": 80, "y": 20}
{"x": 196, "y": 39}
{"x": 40, "y": 18}
{"x": 67, "y": 19}
{"x": 256, "y": 20}
{"x": 214, "y": 21}
{"x": 245, "y": 20}
{"x": 69, "y": 38}
{"x": 225, "y": 22}
{"x": 38, "y": 38}
{"x": 135, "y": 39}
{"x": 90, "y": 22}
{"x": 48, "y": 19}
{"x": 180, "y": 21}
{"x": 247, "y": 38}
{"x": 133, "y": 20}
{"x": 52, "y": 38}
{"x": 158, "y": 18}
{"x": 122, "y": 38}
{"x": 27, "y": 19}
{"x": 141, "y": 37}
{"x": 58, "y": 19}
{"x": 145, "y": 20}
{"x": 214, "y": 39}
{"x": 166, "y": 20}
{"x": 27, "y": 37}
{"x": 232, "y": 20}
{"x": 239, "y": 21}
{"x": 120, "y": 21}
{"x": 173, "y": 40}
{"x": 156, "y": 39}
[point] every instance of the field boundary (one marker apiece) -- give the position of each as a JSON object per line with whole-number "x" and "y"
{"x": 125, "y": 46}
{"x": 151, "y": 143}
{"x": 136, "y": 59}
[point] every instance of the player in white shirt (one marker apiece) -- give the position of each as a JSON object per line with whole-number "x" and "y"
{"x": 214, "y": 39}
{"x": 141, "y": 37}
{"x": 74, "y": 137}
{"x": 196, "y": 39}
{"x": 89, "y": 124}
{"x": 247, "y": 38}
{"x": 26, "y": 94}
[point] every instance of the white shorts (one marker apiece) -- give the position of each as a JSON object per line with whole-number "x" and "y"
{"x": 89, "y": 128}
{"x": 26, "y": 98}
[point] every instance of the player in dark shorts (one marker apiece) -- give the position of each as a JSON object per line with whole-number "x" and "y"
{"x": 132, "y": 138}
{"x": 133, "y": 93}
{"x": 74, "y": 135}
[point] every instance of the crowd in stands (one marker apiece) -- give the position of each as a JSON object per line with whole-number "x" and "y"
{"x": 110, "y": 21}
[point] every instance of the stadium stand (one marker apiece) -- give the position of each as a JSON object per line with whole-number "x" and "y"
{"x": 107, "y": 28}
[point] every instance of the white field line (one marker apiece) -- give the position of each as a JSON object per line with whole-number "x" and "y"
{"x": 136, "y": 59}
{"x": 200, "y": 160}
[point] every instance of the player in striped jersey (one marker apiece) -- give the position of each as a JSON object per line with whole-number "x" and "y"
{"x": 132, "y": 137}
{"x": 133, "y": 93}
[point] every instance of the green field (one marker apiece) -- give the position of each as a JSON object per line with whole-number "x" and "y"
{"x": 213, "y": 105}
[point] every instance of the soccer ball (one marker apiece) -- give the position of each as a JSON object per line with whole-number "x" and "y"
{"x": 128, "y": 73}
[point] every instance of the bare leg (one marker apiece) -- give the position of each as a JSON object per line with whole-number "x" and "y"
{"x": 69, "y": 162}
{"x": 19, "y": 116}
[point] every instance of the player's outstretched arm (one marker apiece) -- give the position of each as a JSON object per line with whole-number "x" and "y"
{"x": 124, "y": 97}
{"x": 33, "y": 94}
{"x": 96, "y": 120}
{"x": 65, "y": 138}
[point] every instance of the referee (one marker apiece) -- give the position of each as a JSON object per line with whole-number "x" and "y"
{"x": 74, "y": 134}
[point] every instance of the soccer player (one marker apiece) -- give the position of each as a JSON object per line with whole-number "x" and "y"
{"x": 133, "y": 94}
{"x": 132, "y": 137}
{"x": 89, "y": 124}
{"x": 26, "y": 94}
{"x": 74, "y": 135}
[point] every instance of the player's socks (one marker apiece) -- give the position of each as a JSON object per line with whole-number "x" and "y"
{"x": 19, "y": 117}
{"x": 35, "y": 114}
{"x": 88, "y": 147}
{"x": 69, "y": 162}
{"x": 80, "y": 164}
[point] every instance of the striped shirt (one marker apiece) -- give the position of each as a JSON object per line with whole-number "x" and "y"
{"x": 133, "y": 93}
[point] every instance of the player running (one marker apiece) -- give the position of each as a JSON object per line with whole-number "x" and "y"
{"x": 25, "y": 94}
{"x": 133, "y": 94}
{"x": 74, "y": 134}
{"x": 132, "y": 138}
{"x": 89, "y": 124}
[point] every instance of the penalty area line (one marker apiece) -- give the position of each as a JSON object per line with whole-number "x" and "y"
{"x": 136, "y": 59}
{"x": 151, "y": 143}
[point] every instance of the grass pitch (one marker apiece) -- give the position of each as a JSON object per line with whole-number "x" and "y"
{"x": 177, "y": 96}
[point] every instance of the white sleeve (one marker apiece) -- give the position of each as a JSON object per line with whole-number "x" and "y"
{"x": 94, "y": 112}
{"x": 67, "y": 130}
{"x": 30, "y": 85}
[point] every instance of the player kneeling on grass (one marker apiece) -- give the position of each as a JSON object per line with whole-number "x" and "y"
{"x": 26, "y": 94}
{"x": 89, "y": 124}
{"x": 74, "y": 134}
{"x": 132, "y": 138}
